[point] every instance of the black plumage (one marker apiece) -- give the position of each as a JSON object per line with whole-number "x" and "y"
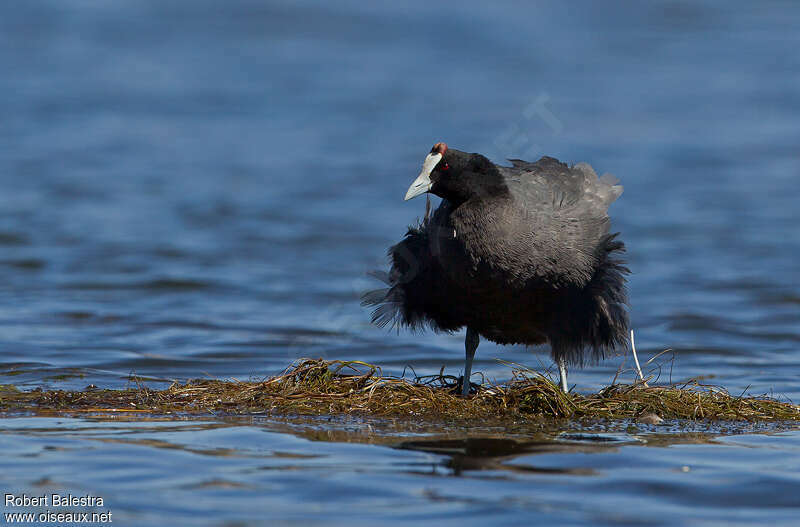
{"x": 518, "y": 255}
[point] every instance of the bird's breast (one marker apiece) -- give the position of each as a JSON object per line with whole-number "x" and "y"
{"x": 468, "y": 262}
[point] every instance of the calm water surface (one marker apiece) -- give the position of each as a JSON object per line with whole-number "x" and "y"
{"x": 199, "y": 188}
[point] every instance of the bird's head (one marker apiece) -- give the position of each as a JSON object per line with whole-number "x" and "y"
{"x": 454, "y": 175}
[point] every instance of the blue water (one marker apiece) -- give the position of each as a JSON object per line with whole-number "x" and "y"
{"x": 261, "y": 472}
{"x": 199, "y": 188}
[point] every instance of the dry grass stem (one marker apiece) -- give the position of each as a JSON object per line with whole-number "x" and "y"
{"x": 636, "y": 359}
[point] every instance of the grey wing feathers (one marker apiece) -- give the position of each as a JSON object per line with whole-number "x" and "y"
{"x": 559, "y": 187}
{"x": 603, "y": 190}
{"x": 565, "y": 213}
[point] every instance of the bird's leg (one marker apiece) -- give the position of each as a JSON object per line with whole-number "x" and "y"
{"x": 470, "y": 344}
{"x": 562, "y": 373}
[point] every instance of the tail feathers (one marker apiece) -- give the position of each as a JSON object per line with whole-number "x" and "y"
{"x": 608, "y": 291}
{"x": 601, "y": 316}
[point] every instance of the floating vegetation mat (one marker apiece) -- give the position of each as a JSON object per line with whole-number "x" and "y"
{"x": 318, "y": 387}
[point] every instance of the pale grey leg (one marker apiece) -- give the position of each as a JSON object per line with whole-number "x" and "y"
{"x": 562, "y": 374}
{"x": 470, "y": 344}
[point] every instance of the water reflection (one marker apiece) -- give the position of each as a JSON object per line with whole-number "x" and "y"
{"x": 492, "y": 453}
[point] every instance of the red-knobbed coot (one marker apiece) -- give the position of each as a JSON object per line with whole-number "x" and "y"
{"x": 518, "y": 255}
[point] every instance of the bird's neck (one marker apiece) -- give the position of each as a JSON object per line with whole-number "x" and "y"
{"x": 479, "y": 180}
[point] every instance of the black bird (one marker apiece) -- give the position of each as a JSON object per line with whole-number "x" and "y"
{"x": 518, "y": 255}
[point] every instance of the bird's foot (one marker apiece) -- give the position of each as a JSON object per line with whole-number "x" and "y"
{"x": 458, "y": 389}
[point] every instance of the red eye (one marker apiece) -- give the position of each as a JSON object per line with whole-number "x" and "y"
{"x": 446, "y": 167}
